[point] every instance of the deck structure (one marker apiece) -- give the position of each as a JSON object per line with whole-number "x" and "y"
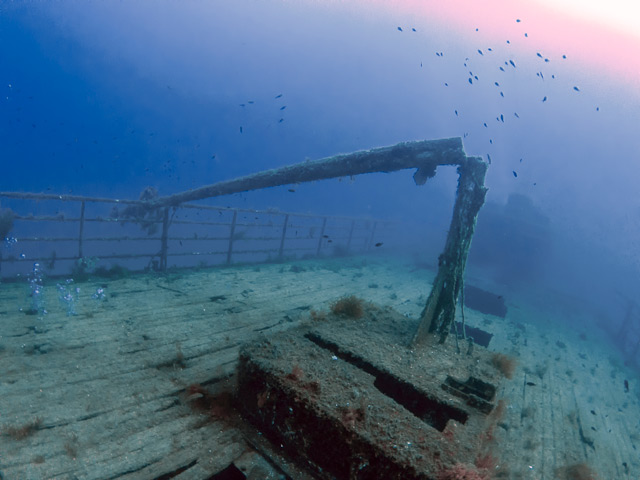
{"x": 103, "y": 393}
{"x": 135, "y": 377}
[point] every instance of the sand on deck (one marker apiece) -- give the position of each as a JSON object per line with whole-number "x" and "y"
{"x": 103, "y": 393}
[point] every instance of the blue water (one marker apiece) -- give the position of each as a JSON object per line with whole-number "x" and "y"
{"x": 106, "y": 99}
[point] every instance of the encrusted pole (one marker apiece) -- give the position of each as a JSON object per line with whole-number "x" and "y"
{"x": 439, "y": 313}
{"x": 425, "y": 156}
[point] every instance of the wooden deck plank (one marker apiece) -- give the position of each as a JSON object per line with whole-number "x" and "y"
{"x": 108, "y": 381}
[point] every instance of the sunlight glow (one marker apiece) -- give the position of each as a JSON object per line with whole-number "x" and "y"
{"x": 619, "y": 15}
{"x": 600, "y": 36}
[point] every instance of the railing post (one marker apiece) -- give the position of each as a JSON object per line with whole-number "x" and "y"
{"x": 353, "y": 225}
{"x": 81, "y": 233}
{"x": 373, "y": 232}
{"x": 284, "y": 234}
{"x": 231, "y": 235}
{"x": 324, "y": 224}
{"x": 164, "y": 246}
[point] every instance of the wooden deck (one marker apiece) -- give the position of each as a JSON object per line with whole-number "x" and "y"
{"x": 101, "y": 394}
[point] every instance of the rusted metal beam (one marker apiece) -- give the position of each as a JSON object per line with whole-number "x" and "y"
{"x": 439, "y": 312}
{"x": 424, "y": 155}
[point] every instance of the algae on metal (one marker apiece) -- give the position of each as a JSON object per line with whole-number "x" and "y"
{"x": 426, "y": 155}
{"x": 439, "y": 313}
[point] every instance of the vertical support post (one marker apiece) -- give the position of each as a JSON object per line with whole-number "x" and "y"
{"x": 324, "y": 226}
{"x": 353, "y": 225}
{"x": 284, "y": 235}
{"x": 81, "y": 233}
{"x": 232, "y": 233}
{"x": 439, "y": 313}
{"x": 164, "y": 240}
{"x": 373, "y": 232}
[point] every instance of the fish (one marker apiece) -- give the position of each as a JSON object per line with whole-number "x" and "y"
{"x": 515, "y": 174}
{"x": 420, "y": 64}
{"x": 502, "y": 69}
{"x": 281, "y": 120}
{"x": 251, "y": 101}
{"x": 399, "y": 29}
{"x": 490, "y": 49}
{"x": 512, "y": 63}
{"x": 626, "y": 385}
{"x": 576, "y": 89}
{"x": 325, "y": 236}
{"x": 489, "y": 157}
{"x": 485, "y": 125}
{"x": 564, "y": 57}
{"x": 520, "y": 160}
{"x": 544, "y": 99}
{"x": 413, "y": 29}
{"x": 480, "y": 52}
{"x": 518, "y": 20}
{"x": 502, "y": 118}
{"x": 456, "y": 112}
{"x": 240, "y": 129}
{"x": 502, "y": 94}
{"x": 508, "y": 42}
{"x": 496, "y": 84}
{"x": 526, "y": 35}
{"x": 292, "y": 190}
{"x": 516, "y": 114}
{"x": 531, "y": 384}
{"x": 491, "y": 141}
{"x": 446, "y": 84}
{"x": 278, "y": 96}
{"x": 242, "y": 105}
{"x": 471, "y": 81}
{"x": 379, "y": 244}
{"x": 213, "y": 157}
{"x": 539, "y": 54}
{"x": 597, "y": 109}
{"x": 283, "y": 107}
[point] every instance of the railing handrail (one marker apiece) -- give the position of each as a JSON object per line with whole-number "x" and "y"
{"x": 364, "y": 231}
{"x": 82, "y": 198}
